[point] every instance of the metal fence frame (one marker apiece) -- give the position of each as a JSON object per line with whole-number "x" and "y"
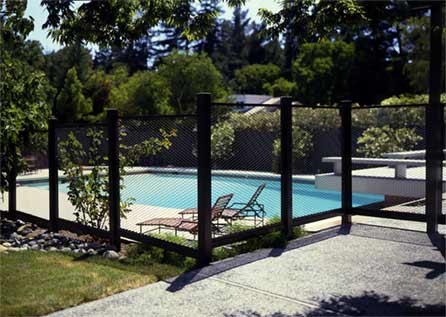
{"x": 434, "y": 157}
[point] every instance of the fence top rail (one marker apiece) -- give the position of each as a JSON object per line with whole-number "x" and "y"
{"x": 377, "y": 161}
{"x": 155, "y": 116}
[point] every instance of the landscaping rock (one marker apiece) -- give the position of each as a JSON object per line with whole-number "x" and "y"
{"x": 110, "y": 254}
{"x": 6, "y": 244}
{"x": 3, "y": 249}
{"x": 19, "y": 222}
{"x": 14, "y": 249}
{"x": 23, "y": 227}
{"x": 52, "y": 249}
{"x": 15, "y": 236}
{"x": 35, "y": 247}
{"x": 92, "y": 252}
{"x": 35, "y": 233}
{"x": 94, "y": 245}
{"x": 65, "y": 249}
{"x": 68, "y": 234}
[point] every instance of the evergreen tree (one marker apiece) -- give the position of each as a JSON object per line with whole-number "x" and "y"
{"x": 72, "y": 105}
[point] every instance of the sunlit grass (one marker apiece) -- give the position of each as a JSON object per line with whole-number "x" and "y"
{"x": 37, "y": 283}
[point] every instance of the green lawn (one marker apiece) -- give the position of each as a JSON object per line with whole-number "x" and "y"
{"x": 37, "y": 283}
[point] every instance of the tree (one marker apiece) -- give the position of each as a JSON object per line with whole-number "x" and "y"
{"x": 98, "y": 88}
{"x": 71, "y": 104}
{"x": 141, "y": 94}
{"x": 415, "y": 41}
{"x": 187, "y": 75}
{"x": 305, "y": 21}
{"x": 252, "y": 78}
{"x": 115, "y": 23}
{"x": 322, "y": 71}
{"x": 23, "y": 89}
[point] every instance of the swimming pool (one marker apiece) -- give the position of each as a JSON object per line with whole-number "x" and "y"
{"x": 180, "y": 191}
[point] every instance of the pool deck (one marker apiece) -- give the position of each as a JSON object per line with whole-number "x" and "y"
{"x": 355, "y": 271}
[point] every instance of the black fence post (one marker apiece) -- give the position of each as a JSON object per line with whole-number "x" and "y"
{"x": 286, "y": 165}
{"x": 204, "y": 178}
{"x": 12, "y": 182}
{"x": 434, "y": 123}
{"x": 53, "y": 175}
{"x": 114, "y": 178}
{"x": 346, "y": 148}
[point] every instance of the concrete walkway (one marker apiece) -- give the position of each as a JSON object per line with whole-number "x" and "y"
{"x": 363, "y": 270}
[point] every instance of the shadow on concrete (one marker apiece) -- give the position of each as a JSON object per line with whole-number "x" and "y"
{"x": 187, "y": 278}
{"x": 438, "y": 241}
{"x": 367, "y": 304}
{"x": 437, "y": 268}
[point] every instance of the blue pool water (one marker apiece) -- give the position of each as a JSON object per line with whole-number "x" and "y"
{"x": 180, "y": 191}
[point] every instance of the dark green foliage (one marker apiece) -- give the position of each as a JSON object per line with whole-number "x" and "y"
{"x": 376, "y": 141}
{"x": 252, "y": 79}
{"x": 302, "y": 146}
{"x": 322, "y": 71}
{"x": 275, "y": 239}
{"x": 72, "y": 105}
{"x": 187, "y": 75}
{"x": 281, "y": 87}
{"x": 24, "y": 90}
{"x": 143, "y": 93}
{"x": 115, "y": 23}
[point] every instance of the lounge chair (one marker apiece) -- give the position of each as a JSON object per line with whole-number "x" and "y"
{"x": 189, "y": 225}
{"x": 252, "y": 209}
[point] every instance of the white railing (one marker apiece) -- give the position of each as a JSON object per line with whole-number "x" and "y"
{"x": 400, "y": 165}
{"x": 407, "y": 154}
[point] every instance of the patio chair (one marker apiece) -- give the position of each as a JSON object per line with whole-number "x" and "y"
{"x": 189, "y": 225}
{"x": 252, "y": 209}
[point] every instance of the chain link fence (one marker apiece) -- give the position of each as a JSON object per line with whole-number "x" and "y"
{"x": 244, "y": 153}
{"x": 388, "y": 145}
{"x": 158, "y": 157}
{"x": 82, "y": 162}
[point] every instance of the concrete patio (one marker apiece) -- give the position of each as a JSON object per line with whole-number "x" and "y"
{"x": 362, "y": 270}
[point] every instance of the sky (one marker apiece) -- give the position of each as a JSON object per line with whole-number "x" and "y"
{"x": 39, "y": 14}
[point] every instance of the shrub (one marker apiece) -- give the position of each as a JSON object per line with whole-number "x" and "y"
{"x": 222, "y": 140}
{"x": 88, "y": 192}
{"x": 375, "y": 141}
{"x": 302, "y": 145}
{"x": 281, "y": 87}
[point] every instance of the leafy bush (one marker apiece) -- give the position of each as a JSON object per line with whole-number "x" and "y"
{"x": 375, "y": 141}
{"x": 222, "y": 140}
{"x": 275, "y": 239}
{"x": 147, "y": 254}
{"x": 302, "y": 145}
{"x": 280, "y": 87}
{"x": 88, "y": 191}
{"x": 407, "y": 99}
